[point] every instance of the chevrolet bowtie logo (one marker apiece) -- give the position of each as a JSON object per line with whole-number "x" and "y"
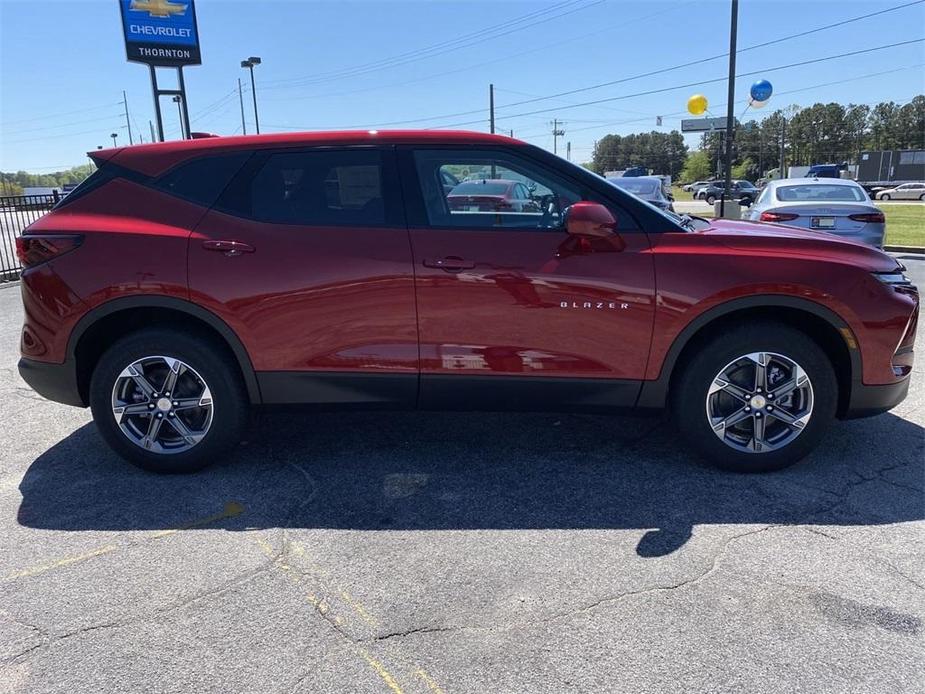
{"x": 158, "y": 8}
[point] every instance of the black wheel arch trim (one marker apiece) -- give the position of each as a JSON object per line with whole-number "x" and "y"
{"x": 175, "y": 304}
{"x": 654, "y": 394}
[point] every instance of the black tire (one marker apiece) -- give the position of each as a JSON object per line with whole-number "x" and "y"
{"x": 215, "y": 366}
{"x": 689, "y": 394}
{"x": 922, "y": 197}
{"x": 885, "y": 196}
{"x": 710, "y": 199}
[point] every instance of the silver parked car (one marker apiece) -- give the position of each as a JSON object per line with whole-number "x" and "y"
{"x": 907, "y": 191}
{"x": 834, "y": 205}
{"x": 648, "y": 188}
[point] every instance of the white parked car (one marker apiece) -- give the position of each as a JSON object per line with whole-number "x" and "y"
{"x": 907, "y": 191}
{"x": 837, "y": 206}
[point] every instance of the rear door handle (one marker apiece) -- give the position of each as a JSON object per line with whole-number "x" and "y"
{"x": 229, "y": 248}
{"x": 451, "y": 263}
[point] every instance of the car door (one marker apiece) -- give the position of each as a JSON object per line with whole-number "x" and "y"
{"x": 306, "y": 257}
{"x": 512, "y": 311}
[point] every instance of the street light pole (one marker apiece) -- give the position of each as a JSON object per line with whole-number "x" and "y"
{"x": 113, "y": 136}
{"x": 176, "y": 100}
{"x": 249, "y": 64}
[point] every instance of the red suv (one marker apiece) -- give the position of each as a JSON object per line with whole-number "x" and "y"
{"x": 184, "y": 282}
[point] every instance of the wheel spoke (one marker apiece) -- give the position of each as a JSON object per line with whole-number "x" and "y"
{"x": 731, "y": 420}
{"x": 735, "y": 391}
{"x": 154, "y": 428}
{"x": 188, "y": 404}
{"x": 761, "y": 371}
{"x": 791, "y": 420}
{"x": 121, "y": 411}
{"x": 137, "y": 374}
{"x": 190, "y": 436}
{"x": 173, "y": 371}
{"x": 758, "y": 443}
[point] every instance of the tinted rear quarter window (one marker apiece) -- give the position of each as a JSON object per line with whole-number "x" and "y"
{"x": 203, "y": 179}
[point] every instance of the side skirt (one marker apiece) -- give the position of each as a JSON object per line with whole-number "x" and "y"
{"x": 333, "y": 391}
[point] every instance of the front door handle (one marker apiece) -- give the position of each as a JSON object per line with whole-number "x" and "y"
{"x": 451, "y": 263}
{"x": 229, "y": 248}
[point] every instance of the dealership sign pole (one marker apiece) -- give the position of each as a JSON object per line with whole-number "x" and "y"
{"x": 162, "y": 33}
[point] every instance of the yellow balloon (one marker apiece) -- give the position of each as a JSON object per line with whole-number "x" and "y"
{"x": 697, "y": 104}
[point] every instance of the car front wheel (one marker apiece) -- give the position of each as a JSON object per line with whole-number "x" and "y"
{"x": 710, "y": 199}
{"x": 756, "y": 398}
{"x": 168, "y": 401}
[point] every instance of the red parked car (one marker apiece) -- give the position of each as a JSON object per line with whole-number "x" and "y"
{"x": 491, "y": 195}
{"x": 185, "y": 282}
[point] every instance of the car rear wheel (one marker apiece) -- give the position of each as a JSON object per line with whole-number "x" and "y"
{"x": 922, "y": 197}
{"x": 756, "y": 398}
{"x": 885, "y": 196}
{"x": 168, "y": 401}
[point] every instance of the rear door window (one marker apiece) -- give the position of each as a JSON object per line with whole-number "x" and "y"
{"x": 320, "y": 187}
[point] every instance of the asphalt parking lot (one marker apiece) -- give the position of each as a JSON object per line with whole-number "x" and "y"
{"x": 457, "y": 553}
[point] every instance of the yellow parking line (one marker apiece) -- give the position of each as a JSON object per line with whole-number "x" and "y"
{"x": 42, "y": 568}
{"x": 429, "y": 681}
{"x": 232, "y": 509}
{"x": 382, "y": 672}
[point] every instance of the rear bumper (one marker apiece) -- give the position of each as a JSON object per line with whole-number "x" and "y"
{"x": 57, "y": 382}
{"x": 867, "y": 401}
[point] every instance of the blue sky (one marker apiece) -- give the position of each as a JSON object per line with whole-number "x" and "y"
{"x": 336, "y": 64}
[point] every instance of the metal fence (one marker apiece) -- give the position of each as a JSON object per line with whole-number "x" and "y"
{"x": 16, "y": 213}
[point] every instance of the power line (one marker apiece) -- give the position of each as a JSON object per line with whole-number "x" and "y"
{"x": 661, "y": 70}
{"x": 699, "y": 82}
{"x": 715, "y": 57}
{"x": 64, "y": 113}
{"x": 464, "y": 41}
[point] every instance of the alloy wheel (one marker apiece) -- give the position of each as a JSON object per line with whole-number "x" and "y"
{"x": 162, "y": 405}
{"x": 759, "y": 402}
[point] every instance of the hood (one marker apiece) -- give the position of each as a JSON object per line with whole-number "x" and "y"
{"x": 780, "y": 240}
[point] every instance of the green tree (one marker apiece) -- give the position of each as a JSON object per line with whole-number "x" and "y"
{"x": 696, "y": 168}
{"x": 662, "y": 153}
{"x": 746, "y": 169}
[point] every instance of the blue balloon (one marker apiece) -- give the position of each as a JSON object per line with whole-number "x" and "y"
{"x": 761, "y": 90}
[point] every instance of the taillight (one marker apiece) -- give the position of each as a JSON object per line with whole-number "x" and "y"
{"x": 872, "y": 217}
{"x": 777, "y": 216}
{"x": 35, "y": 249}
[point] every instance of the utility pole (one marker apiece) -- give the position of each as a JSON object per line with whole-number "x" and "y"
{"x": 491, "y": 107}
{"x": 512, "y": 132}
{"x": 128, "y": 123}
{"x": 556, "y": 134}
{"x": 568, "y": 150}
{"x": 153, "y": 136}
{"x": 241, "y": 101}
{"x": 730, "y": 105}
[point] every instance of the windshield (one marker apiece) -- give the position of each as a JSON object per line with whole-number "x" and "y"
{"x": 637, "y": 186}
{"x": 821, "y": 192}
{"x": 480, "y": 188}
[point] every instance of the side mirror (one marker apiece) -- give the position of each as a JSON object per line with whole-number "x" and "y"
{"x": 589, "y": 219}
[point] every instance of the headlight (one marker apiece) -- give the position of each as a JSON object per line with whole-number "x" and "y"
{"x": 894, "y": 277}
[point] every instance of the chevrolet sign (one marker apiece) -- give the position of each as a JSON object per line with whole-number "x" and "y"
{"x": 160, "y": 32}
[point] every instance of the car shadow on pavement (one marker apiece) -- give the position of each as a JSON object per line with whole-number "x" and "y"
{"x": 414, "y": 471}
